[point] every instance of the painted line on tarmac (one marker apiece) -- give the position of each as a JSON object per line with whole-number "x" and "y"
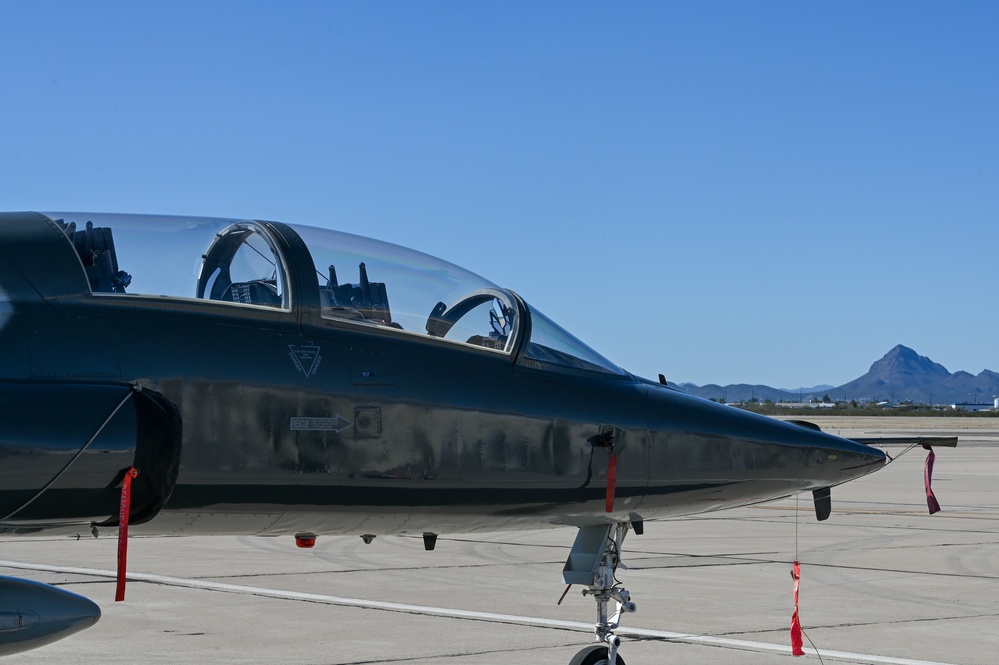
{"x": 708, "y": 640}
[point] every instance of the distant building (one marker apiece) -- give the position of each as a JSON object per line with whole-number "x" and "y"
{"x": 806, "y": 405}
{"x": 968, "y": 406}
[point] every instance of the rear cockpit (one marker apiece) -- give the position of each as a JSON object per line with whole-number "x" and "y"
{"x": 95, "y": 247}
{"x": 243, "y": 266}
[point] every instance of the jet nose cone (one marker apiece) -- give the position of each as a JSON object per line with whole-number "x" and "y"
{"x": 33, "y": 614}
{"x": 858, "y": 459}
{"x": 846, "y": 459}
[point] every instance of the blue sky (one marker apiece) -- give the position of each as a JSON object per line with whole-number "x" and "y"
{"x": 760, "y": 192}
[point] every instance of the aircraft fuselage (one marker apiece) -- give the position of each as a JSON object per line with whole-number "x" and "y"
{"x": 249, "y": 419}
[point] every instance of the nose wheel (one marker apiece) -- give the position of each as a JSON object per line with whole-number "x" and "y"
{"x": 593, "y": 562}
{"x": 594, "y": 655}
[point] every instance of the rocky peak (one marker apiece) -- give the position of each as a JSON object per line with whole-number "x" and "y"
{"x": 902, "y": 365}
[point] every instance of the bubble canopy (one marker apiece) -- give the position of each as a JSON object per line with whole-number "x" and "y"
{"x": 338, "y": 278}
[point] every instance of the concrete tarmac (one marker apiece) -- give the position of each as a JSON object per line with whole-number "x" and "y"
{"x": 883, "y": 583}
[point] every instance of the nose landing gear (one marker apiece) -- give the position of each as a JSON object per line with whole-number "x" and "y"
{"x": 593, "y": 561}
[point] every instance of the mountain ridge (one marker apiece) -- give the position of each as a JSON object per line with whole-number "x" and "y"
{"x": 901, "y": 375}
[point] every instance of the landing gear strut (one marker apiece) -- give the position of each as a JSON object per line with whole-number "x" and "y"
{"x": 593, "y": 562}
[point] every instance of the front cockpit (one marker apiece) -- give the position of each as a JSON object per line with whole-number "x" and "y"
{"x": 316, "y": 276}
{"x": 387, "y": 286}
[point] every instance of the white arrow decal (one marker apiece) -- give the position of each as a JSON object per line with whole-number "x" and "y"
{"x": 337, "y": 424}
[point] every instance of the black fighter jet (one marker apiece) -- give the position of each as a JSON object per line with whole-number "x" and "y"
{"x": 219, "y": 376}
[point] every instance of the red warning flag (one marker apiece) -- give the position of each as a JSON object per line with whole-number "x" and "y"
{"x": 931, "y": 501}
{"x": 611, "y": 480}
{"x": 124, "y": 509}
{"x": 796, "y": 640}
